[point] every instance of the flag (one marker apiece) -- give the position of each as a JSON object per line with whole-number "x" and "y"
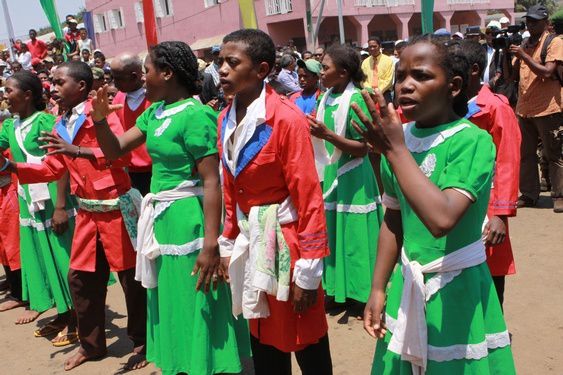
{"x": 248, "y": 15}
{"x": 52, "y": 16}
{"x": 150, "y": 23}
{"x": 427, "y": 16}
{"x": 88, "y": 20}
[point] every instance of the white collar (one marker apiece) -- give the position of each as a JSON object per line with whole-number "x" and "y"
{"x": 78, "y": 109}
{"x": 422, "y": 144}
{"x": 25, "y": 123}
{"x": 137, "y": 94}
{"x": 161, "y": 113}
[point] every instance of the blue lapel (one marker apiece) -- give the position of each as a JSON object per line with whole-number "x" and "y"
{"x": 223, "y": 127}
{"x": 260, "y": 137}
{"x": 472, "y": 109}
{"x": 62, "y": 130}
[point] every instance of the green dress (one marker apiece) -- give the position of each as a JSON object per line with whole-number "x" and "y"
{"x": 466, "y": 329}
{"x": 45, "y": 256}
{"x": 187, "y": 331}
{"x": 353, "y": 214}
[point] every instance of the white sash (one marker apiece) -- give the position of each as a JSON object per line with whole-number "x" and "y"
{"x": 322, "y": 157}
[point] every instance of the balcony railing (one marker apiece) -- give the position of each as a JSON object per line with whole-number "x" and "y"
{"x": 383, "y": 3}
{"x": 278, "y": 7}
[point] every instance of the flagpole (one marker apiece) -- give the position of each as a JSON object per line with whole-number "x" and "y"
{"x": 9, "y": 27}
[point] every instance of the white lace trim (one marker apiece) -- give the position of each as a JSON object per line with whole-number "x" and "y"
{"x": 461, "y": 351}
{"x": 184, "y": 249}
{"x": 416, "y": 144}
{"x": 438, "y": 281}
{"x": 353, "y": 208}
{"x": 161, "y": 113}
{"x": 40, "y": 226}
{"x": 390, "y": 202}
{"x": 354, "y": 163}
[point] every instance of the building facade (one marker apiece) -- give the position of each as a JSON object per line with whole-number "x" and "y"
{"x": 203, "y": 23}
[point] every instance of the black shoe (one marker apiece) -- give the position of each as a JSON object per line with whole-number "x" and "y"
{"x": 525, "y": 201}
{"x": 558, "y": 205}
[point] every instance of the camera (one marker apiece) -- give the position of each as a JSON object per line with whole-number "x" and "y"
{"x": 507, "y": 37}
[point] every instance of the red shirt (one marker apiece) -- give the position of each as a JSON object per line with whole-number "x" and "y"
{"x": 91, "y": 179}
{"x": 38, "y": 49}
{"x": 140, "y": 159}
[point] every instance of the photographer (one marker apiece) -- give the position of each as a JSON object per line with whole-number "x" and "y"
{"x": 539, "y": 107}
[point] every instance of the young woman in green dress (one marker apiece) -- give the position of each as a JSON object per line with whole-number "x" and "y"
{"x": 46, "y": 212}
{"x": 190, "y": 325}
{"x": 442, "y": 314}
{"x": 352, "y": 202}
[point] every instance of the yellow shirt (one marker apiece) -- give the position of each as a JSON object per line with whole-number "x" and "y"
{"x": 385, "y": 72}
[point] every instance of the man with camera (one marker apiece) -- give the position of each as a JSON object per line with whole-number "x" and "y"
{"x": 539, "y": 107}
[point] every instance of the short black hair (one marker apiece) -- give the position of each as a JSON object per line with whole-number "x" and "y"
{"x": 346, "y": 57}
{"x": 375, "y": 39}
{"x": 474, "y": 53}
{"x": 259, "y": 45}
{"x": 400, "y": 45}
{"x": 79, "y": 71}
{"x": 27, "y": 81}
{"x": 454, "y": 65}
{"x": 30, "y": 30}
{"x": 179, "y": 58}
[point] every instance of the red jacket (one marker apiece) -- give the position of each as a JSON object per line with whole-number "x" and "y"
{"x": 91, "y": 179}
{"x": 140, "y": 159}
{"x": 9, "y": 222}
{"x": 492, "y": 113}
{"x": 278, "y": 162}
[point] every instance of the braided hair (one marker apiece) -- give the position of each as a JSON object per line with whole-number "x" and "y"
{"x": 179, "y": 58}
{"x": 27, "y": 81}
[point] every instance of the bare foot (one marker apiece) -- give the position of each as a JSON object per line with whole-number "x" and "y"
{"x": 135, "y": 362}
{"x": 28, "y": 316}
{"x": 78, "y": 358}
{"x": 11, "y": 303}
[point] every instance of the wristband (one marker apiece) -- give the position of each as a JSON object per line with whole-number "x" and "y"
{"x": 78, "y": 153}
{"x": 5, "y": 166}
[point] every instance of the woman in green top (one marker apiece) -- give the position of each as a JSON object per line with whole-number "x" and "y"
{"x": 190, "y": 327}
{"x": 46, "y": 212}
{"x": 442, "y": 314}
{"x": 352, "y": 202}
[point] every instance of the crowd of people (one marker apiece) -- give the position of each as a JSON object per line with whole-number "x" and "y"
{"x": 238, "y": 200}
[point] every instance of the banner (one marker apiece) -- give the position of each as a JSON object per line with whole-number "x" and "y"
{"x": 88, "y": 20}
{"x": 150, "y": 23}
{"x": 427, "y": 16}
{"x": 247, "y": 14}
{"x": 52, "y": 16}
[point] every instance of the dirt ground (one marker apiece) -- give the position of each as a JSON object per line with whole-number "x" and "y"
{"x": 533, "y": 306}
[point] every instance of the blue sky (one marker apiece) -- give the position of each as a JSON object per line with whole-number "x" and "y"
{"x": 27, "y": 14}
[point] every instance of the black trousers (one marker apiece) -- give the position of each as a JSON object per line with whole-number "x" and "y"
{"x": 313, "y": 360}
{"x": 141, "y": 181}
{"x": 14, "y": 280}
{"x": 89, "y": 290}
{"x": 499, "y": 286}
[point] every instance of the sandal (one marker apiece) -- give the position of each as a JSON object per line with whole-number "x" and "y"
{"x": 70, "y": 338}
{"x": 47, "y": 330}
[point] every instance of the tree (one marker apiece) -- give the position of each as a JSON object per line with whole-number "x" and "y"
{"x": 523, "y": 5}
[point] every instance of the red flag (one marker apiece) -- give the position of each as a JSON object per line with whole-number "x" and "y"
{"x": 150, "y": 23}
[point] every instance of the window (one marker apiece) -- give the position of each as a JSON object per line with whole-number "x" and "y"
{"x": 100, "y": 24}
{"x": 163, "y": 8}
{"x": 139, "y": 15}
{"x": 115, "y": 17}
{"x": 278, "y": 7}
{"x": 210, "y": 3}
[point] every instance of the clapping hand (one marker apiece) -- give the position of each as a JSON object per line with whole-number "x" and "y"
{"x": 318, "y": 128}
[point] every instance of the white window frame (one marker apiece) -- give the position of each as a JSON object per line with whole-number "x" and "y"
{"x": 100, "y": 23}
{"x": 139, "y": 13}
{"x": 116, "y": 20}
{"x": 160, "y": 7}
{"x": 211, "y": 3}
{"x": 274, "y": 7}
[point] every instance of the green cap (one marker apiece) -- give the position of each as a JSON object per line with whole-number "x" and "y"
{"x": 97, "y": 73}
{"x": 311, "y": 65}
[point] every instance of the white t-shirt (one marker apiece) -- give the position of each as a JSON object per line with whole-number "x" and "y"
{"x": 85, "y": 44}
{"x": 25, "y": 60}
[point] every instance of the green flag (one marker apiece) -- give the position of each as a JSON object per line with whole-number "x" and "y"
{"x": 51, "y": 13}
{"x": 427, "y": 14}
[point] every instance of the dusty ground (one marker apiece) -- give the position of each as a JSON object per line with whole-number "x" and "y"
{"x": 534, "y": 312}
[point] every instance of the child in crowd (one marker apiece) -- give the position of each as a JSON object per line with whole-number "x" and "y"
{"x": 274, "y": 211}
{"x": 351, "y": 196}
{"x": 492, "y": 112}
{"x": 308, "y": 72}
{"x": 442, "y": 313}
{"x": 189, "y": 330}
{"x": 105, "y": 222}
{"x": 47, "y": 211}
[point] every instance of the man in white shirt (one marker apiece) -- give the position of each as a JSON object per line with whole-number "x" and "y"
{"x": 24, "y": 57}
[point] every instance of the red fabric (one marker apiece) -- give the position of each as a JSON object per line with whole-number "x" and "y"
{"x": 9, "y": 222}
{"x": 38, "y": 49}
{"x": 150, "y": 23}
{"x": 284, "y": 167}
{"x": 72, "y": 36}
{"x": 498, "y": 118}
{"x": 140, "y": 159}
{"x": 91, "y": 179}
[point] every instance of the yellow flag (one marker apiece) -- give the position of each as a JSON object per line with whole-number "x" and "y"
{"x": 247, "y": 13}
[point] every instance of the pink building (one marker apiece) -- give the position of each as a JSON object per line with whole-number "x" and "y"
{"x": 203, "y": 23}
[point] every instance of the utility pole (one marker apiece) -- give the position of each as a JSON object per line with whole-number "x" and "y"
{"x": 340, "y": 22}
{"x": 10, "y": 28}
{"x": 319, "y": 20}
{"x": 309, "y": 18}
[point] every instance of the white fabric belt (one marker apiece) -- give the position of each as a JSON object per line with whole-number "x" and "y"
{"x": 148, "y": 249}
{"x": 410, "y": 337}
{"x": 247, "y": 298}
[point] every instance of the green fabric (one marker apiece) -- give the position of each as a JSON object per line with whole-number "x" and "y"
{"x": 348, "y": 269}
{"x": 427, "y": 16}
{"x": 467, "y": 308}
{"x": 51, "y": 12}
{"x": 187, "y": 331}
{"x": 45, "y": 256}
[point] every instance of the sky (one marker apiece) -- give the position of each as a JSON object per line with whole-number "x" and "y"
{"x": 28, "y": 14}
